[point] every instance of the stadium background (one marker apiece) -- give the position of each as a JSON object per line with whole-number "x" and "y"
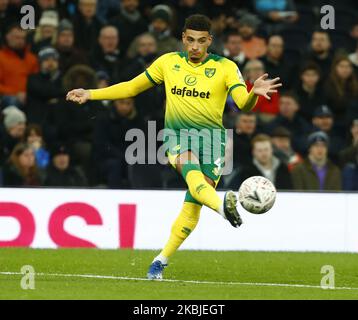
{"x": 48, "y": 142}
{"x": 318, "y": 69}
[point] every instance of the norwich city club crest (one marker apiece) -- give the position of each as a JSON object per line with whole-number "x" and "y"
{"x": 209, "y": 72}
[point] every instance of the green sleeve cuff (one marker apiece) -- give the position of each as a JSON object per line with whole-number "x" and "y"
{"x": 150, "y": 78}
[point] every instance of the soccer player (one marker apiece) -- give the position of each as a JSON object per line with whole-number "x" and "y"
{"x": 197, "y": 84}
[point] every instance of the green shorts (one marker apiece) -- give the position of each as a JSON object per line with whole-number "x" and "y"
{"x": 207, "y": 144}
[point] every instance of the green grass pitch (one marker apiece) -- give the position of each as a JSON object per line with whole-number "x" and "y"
{"x": 215, "y": 275}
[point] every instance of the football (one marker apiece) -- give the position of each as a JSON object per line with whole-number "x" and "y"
{"x": 257, "y": 194}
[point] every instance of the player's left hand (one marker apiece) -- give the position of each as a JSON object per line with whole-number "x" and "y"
{"x": 264, "y": 87}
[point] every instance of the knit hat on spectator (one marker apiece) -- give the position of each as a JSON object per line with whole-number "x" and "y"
{"x": 47, "y": 53}
{"x": 58, "y": 149}
{"x": 49, "y": 18}
{"x": 65, "y": 25}
{"x": 162, "y": 12}
{"x": 249, "y": 20}
{"x": 13, "y": 116}
{"x": 323, "y": 111}
{"x": 318, "y": 136}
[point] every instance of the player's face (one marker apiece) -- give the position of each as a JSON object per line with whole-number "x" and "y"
{"x": 196, "y": 43}
{"x": 262, "y": 152}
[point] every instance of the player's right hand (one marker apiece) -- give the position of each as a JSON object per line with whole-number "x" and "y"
{"x": 79, "y": 96}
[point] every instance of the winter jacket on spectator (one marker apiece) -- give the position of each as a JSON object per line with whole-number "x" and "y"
{"x": 15, "y": 67}
{"x": 281, "y": 179}
{"x": 71, "y": 177}
{"x": 43, "y": 92}
{"x": 304, "y": 177}
{"x": 350, "y": 176}
{"x": 86, "y": 33}
{"x": 129, "y": 26}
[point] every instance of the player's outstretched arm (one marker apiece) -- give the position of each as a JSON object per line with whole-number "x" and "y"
{"x": 246, "y": 101}
{"x": 121, "y": 90}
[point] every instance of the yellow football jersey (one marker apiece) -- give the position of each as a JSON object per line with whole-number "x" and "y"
{"x": 195, "y": 93}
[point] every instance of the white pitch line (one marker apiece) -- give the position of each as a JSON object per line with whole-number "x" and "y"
{"x": 256, "y": 284}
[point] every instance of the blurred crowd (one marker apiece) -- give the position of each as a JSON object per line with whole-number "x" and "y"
{"x": 304, "y": 138}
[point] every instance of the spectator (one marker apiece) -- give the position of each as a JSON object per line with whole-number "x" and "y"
{"x": 184, "y": 9}
{"x": 317, "y": 172}
{"x": 341, "y": 90}
{"x": 46, "y": 32}
{"x": 266, "y": 164}
{"x": 277, "y": 15}
{"x": 21, "y": 169}
{"x": 160, "y": 29}
{"x": 65, "y": 45}
{"x": 109, "y": 140}
{"x": 353, "y": 57}
{"x": 266, "y": 109}
{"x": 6, "y": 18}
{"x": 244, "y": 131}
{"x": 13, "y": 130}
{"x": 282, "y": 146}
{"x": 44, "y": 88}
{"x": 253, "y": 46}
{"x": 106, "y": 55}
{"x": 350, "y": 174}
{"x": 34, "y": 138}
{"x": 348, "y": 154}
{"x": 16, "y": 64}
{"x": 309, "y": 91}
{"x": 233, "y": 49}
{"x": 149, "y": 103}
{"x": 61, "y": 173}
{"x": 320, "y": 52}
{"x": 108, "y": 9}
{"x": 78, "y": 133}
{"x": 289, "y": 118}
{"x": 129, "y": 22}
{"x": 42, "y": 6}
{"x": 218, "y": 27}
{"x": 275, "y": 63}
{"x": 145, "y": 50}
{"x": 323, "y": 120}
{"x": 86, "y": 25}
